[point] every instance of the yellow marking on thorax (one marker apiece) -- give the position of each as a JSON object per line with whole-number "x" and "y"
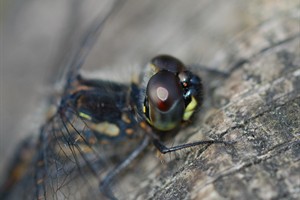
{"x": 106, "y": 128}
{"x": 190, "y": 109}
{"x": 85, "y": 116}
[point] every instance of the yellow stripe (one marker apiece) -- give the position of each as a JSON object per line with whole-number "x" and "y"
{"x": 190, "y": 109}
{"x": 85, "y": 116}
{"x": 106, "y": 128}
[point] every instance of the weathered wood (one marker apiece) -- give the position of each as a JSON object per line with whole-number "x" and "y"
{"x": 256, "y": 104}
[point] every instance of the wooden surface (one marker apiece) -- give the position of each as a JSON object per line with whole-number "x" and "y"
{"x": 257, "y": 104}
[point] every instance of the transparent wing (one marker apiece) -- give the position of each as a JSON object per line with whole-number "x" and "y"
{"x": 67, "y": 160}
{"x": 89, "y": 38}
{"x": 70, "y": 158}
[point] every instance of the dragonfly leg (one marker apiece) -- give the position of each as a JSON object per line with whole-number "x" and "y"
{"x": 106, "y": 183}
{"x": 164, "y": 149}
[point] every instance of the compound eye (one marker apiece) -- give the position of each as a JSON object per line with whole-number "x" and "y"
{"x": 164, "y": 90}
{"x": 169, "y": 63}
{"x": 164, "y": 104}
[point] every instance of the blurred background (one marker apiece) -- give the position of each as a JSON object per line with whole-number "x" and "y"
{"x": 38, "y": 36}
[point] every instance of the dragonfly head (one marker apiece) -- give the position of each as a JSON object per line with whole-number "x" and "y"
{"x": 172, "y": 93}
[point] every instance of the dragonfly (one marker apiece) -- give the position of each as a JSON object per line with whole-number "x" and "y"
{"x": 98, "y": 119}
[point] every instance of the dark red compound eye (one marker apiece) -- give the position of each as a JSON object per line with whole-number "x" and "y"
{"x": 172, "y": 94}
{"x": 164, "y": 90}
{"x": 169, "y": 63}
{"x": 164, "y": 104}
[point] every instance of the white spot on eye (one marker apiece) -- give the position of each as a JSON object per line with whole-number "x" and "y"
{"x": 162, "y": 93}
